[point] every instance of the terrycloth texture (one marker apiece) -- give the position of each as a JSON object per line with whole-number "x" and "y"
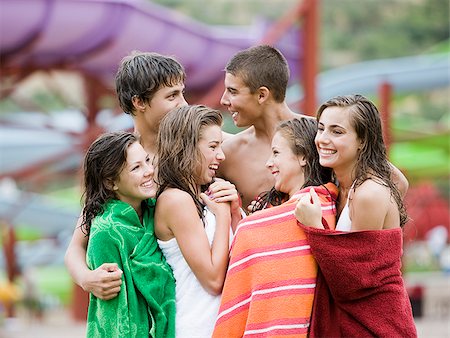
{"x": 270, "y": 282}
{"x": 145, "y": 305}
{"x": 196, "y": 308}
{"x": 360, "y": 290}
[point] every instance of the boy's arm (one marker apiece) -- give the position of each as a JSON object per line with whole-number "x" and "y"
{"x": 400, "y": 180}
{"x": 104, "y": 282}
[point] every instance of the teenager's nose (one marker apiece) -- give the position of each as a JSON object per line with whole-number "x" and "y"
{"x": 149, "y": 170}
{"x": 224, "y": 99}
{"x": 182, "y": 102}
{"x": 321, "y": 137}
{"x": 269, "y": 163}
{"x": 220, "y": 155}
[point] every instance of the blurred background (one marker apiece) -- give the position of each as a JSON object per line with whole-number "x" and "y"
{"x": 58, "y": 59}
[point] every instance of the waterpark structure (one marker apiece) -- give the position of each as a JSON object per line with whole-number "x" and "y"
{"x": 89, "y": 37}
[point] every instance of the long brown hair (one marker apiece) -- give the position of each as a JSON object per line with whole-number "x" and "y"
{"x": 372, "y": 157}
{"x": 178, "y": 155}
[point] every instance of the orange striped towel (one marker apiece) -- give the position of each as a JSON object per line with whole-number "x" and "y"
{"x": 271, "y": 278}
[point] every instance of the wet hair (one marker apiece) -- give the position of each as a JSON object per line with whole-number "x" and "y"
{"x": 178, "y": 154}
{"x": 261, "y": 66}
{"x": 103, "y": 163}
{"x": 143, "y": 74}
{"x": 300, "y": 134}
{"x": 372, "y": 157}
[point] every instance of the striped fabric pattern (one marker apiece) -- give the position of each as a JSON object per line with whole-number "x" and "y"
{"x": 271, "y": 278}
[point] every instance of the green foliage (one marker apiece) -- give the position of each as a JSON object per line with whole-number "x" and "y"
{"x": 230, "y": 12}
{"x": 423, "y": 157}
{"x": 47, "y": 282}
{"x": 351, "y": 30}
{"x": 48, "y": 102}
{"x": 373, "y": 29}
{"x": 7, "y": 106}
{"x": 67, "y": 196}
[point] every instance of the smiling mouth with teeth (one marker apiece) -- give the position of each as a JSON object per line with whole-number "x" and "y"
{"x": 327, "y": 151}
{"x": 214, "y": 167}
{"x": 147, "y": 184}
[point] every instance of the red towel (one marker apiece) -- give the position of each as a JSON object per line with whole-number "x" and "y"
{"x": 360, "y": 290}
{"x": 270, "y": 282}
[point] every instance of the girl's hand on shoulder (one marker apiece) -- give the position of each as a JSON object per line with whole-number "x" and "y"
{"x": 308, "y": 210}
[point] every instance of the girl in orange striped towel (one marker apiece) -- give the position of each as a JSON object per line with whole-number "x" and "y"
{"x": 270, "y": 282}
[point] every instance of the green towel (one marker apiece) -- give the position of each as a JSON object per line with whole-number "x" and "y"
{"x": 145, "y": 305}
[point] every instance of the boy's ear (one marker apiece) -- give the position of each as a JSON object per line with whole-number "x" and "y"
{"x": 263, "y": 94}
{"x": 138, "y": 103}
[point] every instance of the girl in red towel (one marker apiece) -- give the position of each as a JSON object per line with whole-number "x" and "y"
{"x": 362, "y": 292}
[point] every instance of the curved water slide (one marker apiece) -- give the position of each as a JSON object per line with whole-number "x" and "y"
{"x": 92, "y": 36}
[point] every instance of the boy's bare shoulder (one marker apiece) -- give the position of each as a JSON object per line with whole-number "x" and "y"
{"x": 235, "y": 142}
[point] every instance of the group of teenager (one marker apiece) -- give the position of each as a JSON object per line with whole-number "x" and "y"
{"x": 292, "y": 227}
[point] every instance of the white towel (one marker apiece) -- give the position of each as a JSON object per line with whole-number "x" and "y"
{"x": 196, "y": 309}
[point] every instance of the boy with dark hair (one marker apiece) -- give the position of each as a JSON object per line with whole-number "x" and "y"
{"x": 148, "y": 85}
{"x": 256, "y": 80}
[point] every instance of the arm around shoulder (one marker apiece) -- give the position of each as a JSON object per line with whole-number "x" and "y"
{"x": 104, "y": 282}
{"x": 400, "y": 180}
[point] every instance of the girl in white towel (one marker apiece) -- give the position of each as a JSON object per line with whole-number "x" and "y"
{"x": 193, "y": 225}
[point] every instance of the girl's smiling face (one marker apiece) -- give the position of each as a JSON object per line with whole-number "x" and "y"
{"x": 210, "y": 146}
{"x": 286, "y": 167}
{"x": 336, "y": 139}
{"x": 135, "y": 182}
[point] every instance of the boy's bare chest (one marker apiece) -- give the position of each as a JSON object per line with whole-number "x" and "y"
{"x": 247, "y": 170}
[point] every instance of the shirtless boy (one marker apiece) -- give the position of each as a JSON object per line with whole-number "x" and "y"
{"x": 256, "y": 80}
{"x": 148, "y": 85}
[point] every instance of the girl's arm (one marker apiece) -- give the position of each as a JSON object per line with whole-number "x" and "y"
{"x": 400, "y": 180}
{"x": 176, "y": 213}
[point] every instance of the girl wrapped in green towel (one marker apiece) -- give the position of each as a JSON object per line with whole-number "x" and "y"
{"x": 118, "y": 217}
